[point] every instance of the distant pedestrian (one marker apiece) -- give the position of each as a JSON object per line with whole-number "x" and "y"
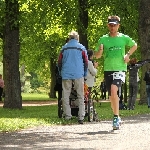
{"x": 103, "y": 89}
{"x": 133, "y": 83}
{"x": 147, "y": 79}
{"x": 1, "y": 86}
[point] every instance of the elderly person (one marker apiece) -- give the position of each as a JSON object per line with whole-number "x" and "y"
{"x": 73, "y": 64}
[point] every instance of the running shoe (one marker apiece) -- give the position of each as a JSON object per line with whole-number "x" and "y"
{"x": 116, "y": 123}
{"x": 80, "y": 121}
{"x": 119, "y": 120}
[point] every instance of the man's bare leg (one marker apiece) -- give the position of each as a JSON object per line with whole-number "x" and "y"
{"x": 115, "y": 107}
{"x": 114, "y": 100}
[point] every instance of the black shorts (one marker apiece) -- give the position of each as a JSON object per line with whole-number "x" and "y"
{"x": 109, "y": 81}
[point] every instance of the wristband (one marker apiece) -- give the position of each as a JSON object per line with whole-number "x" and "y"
{"x": 128, "y": 53}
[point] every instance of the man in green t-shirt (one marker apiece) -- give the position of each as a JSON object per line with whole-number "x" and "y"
{"x": 112, "y": 46}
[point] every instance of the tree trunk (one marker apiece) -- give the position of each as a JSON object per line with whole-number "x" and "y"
{"x": 22, "y": 77}
{"x": 83, "y": 22}
{"x": 144, "y": 38}
{"x": 52, "y": 93}
{"x": 13, "y": 97}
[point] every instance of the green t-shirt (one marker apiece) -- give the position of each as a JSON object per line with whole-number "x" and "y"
{"x": 114, "y": 51}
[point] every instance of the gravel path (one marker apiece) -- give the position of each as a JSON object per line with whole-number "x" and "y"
{"x": 134, "y": 134}
{"x": 34, "y": 103}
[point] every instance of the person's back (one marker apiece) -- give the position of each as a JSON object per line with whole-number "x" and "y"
{"x": 92, "y": 71}
{"x": 91, "y": 74}
{"x": 133, "y": 71}
{"x": 72, "y": 63}
{"x": 133, "y": 83}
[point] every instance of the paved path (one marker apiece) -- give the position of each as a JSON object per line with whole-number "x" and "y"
{"x": 133, "y": 135}
{"x": 41, "y": 103}
{"x": 34, "y": 103}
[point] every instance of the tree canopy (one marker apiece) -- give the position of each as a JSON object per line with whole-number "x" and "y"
{"x": 44, "y": 26}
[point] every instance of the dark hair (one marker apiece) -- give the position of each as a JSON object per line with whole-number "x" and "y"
{"x": 89, "y": 53}
{"x": 133, "y": 61}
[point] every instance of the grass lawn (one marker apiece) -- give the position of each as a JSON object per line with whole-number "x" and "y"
{"x": 35, "y": 96}
{"x": 30, "y": 116}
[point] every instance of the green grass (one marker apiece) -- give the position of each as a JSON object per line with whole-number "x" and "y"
{"x": 30, "y": 116}
{"x": 35, "y": 96}
{"x": 105, "y": 112}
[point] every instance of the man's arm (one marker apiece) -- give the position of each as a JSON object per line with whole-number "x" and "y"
{"x": 100, "y": 52}
{"x": 130, "y": 52}
{"x": 132, "y": 49}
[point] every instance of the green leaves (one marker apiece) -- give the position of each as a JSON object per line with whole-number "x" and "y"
{"x": 44, "y": 26}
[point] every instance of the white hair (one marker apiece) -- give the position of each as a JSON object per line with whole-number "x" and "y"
{"x": 74, "y": 35}
{"x": 114, "y": 17}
